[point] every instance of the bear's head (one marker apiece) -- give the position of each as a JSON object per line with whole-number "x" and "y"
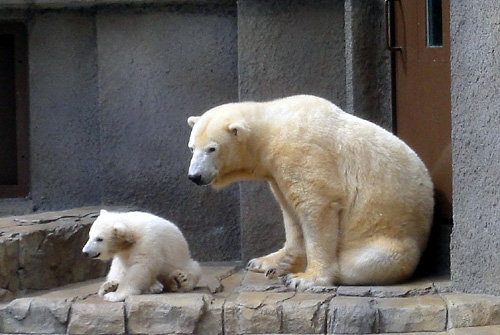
{"x": 219, "y": 148}
{"x": 107, "y": 237}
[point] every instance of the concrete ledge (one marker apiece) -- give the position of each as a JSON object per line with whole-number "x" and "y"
{"x": 232, "y": 301}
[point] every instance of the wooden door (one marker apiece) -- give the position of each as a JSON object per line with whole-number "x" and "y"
{"x": 421, "y": 58}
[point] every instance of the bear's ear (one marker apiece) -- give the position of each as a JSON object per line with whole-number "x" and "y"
{"x": 103, "y": 211}
{"x": 192, "y": 120}
{"x": 121, "y": 238}
{"x": 239, "y": 130}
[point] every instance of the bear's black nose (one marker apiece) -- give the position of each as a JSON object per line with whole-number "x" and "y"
{"x": 195, "y": 178}
{"x": 86, "y": 254}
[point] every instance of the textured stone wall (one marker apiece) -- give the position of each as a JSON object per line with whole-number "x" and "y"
{"x": 475, "y": 88}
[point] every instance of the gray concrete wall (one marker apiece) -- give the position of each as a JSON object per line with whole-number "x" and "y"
{"x": 475, "y": 88}
{"x": 64, "y": 111}
{"x": 368, "y": 63}
{"x": 284, "y": 48}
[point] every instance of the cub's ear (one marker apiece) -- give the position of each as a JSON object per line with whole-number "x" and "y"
{"x": 238, "y": 129}
{"x": 103, "y": 211}
{"x": 121, "y": 237}
{"x": 192, "y": 120}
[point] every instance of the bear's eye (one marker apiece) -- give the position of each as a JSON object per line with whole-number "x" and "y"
{"x": 99, "y": 239}
{"x": 211, "y": 149}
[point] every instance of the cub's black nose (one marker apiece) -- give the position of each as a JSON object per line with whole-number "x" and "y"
{"x": 86, "y": 254}
{"x": 195, "y": 178}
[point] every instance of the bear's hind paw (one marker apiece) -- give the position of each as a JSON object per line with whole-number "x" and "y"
{"x": 180, "y": 281}
{"x": 157, "y": 287}
{"x": 302, "y": 281}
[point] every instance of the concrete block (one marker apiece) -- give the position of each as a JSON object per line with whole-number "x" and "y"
{"x": 9, "y": 263}
{"x": 417, "y": 314}
{"x": 258, "y": 312}
{"x": 35, "y": 316}
{"x": 177, "y": 313}
{"x": 305, "y": 313}
{"x": 489, "y": 330}
{"x": 469, "y": 310}
{"x": 212, "y": 320}
{"x": 94, "y": 316}
{"x": 349, "y": 315}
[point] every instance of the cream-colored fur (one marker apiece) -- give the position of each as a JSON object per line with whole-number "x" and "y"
{"x": 357, "y": 202}
{"x": 149, "y": 254}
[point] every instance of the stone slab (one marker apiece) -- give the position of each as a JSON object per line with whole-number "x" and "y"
{"x": 349, "y": 315}
{"x": 414, "y": 314}
{"x": 95, "y": 316}
{"x": 175, "y": 313}
{"x": 35, "y": 316}
{"x": 470, "y": 310}
{"x": 489, "y": 330}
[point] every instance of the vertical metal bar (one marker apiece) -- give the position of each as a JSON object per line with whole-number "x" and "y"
{"x": 388, "y": 27}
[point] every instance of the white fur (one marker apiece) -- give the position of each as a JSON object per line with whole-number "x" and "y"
{"x": 148, "y": 252}
{"x": 357, "y": 202}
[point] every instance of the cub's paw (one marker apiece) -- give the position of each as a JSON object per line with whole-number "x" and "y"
{"x": 180, "y": 281}
{"x": 115, "y": 296}
{"x": 109, "y": 286}
{"x": 302, "y": 281}
{"x": 157, "y": 287}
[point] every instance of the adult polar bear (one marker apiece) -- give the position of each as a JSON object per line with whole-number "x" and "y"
{"x": 357, "y": 202}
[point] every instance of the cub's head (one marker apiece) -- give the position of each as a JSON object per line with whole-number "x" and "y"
{"x": 218, "y": 143}
{"x": 107, "y": 237}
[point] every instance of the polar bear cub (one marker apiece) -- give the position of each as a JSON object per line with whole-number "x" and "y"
{"x": 149, "y": 254}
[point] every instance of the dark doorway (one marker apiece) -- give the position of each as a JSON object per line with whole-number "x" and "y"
{"x": 14, "y": 169}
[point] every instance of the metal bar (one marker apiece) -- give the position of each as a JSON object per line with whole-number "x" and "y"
{"x": 388, "y": 27}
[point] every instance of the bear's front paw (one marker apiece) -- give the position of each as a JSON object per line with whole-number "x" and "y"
{"x": 260, "y": 265}
{"x": 109, "y": 286}
{"x": 115, "y": 296}
{"x": 302, "y": 281}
